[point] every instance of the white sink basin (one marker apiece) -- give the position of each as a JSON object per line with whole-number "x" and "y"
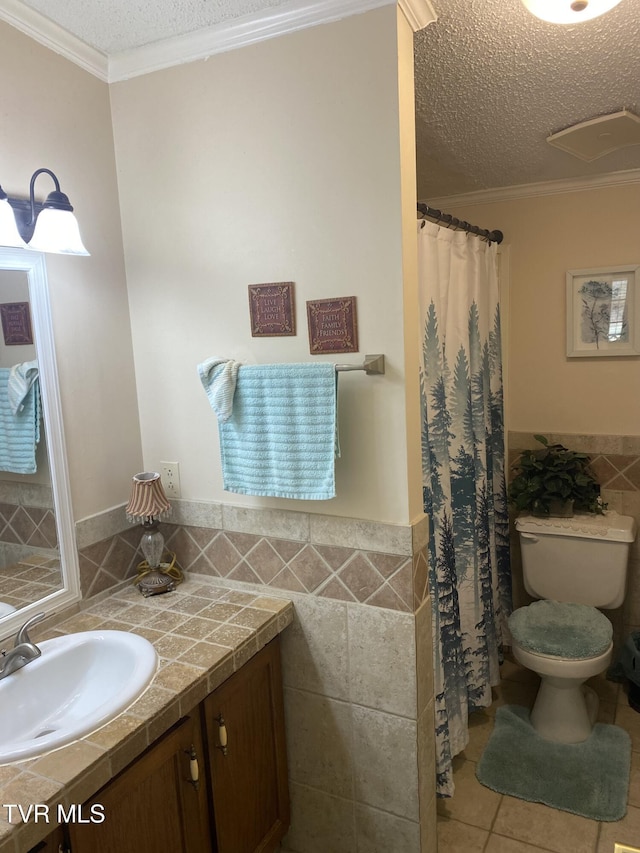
{"x": 79, "y": 683}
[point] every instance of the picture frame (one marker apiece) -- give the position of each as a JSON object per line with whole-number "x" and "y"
{"x": 272, "y": 309}
{"x": 16, "y": 323}
{"x": 333, "y": 325}
{"x": 603, "y": 312}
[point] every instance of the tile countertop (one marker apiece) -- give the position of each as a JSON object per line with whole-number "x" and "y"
{"x": 202, "y": 632}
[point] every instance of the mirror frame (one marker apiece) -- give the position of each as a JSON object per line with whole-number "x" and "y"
{"x": 33, "y": 264}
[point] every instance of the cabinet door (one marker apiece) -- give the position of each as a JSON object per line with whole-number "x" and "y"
{"x": 152, "y": 806}
{"x": 54, "y": 843}
{"x": 249, "y": 775}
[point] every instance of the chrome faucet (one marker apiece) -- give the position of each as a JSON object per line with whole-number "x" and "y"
{"x": 23, "y": 652}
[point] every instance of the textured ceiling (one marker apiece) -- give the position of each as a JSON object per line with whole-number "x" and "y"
{"x": 492, "y": 81}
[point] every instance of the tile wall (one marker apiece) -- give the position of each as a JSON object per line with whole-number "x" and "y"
{"x": 615, "y": 461}
{"x": 26, "y": 517}
{"x": 357, "y": 661}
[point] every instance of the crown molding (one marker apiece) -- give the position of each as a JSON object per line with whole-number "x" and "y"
{"x": 228, "y": 35}
{"x": 250, "y": 29}
{"x": 419, "y": 13}
{"x": 51, "y": 35}
{"x": 569, "y": 185}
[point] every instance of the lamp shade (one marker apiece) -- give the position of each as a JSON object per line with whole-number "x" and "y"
{"x": 57, "y": 231}
{"x": 568, "y": 11}
{"x": 148, "y": 499}
{"x": 9, "y": 234}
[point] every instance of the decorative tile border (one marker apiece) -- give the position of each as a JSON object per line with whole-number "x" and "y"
{"x": 615, "y": 460}
{"x": 28, "y": 525}
{"x": 338, "y": 558}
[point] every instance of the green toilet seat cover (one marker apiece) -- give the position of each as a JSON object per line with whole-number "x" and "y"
{"x": 561, "y": 629}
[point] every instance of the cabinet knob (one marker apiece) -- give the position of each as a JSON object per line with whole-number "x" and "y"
{"x": 194, "y": 770}
{"x": 222, "y": 735}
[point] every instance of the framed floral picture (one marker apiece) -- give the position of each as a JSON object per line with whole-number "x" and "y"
{"x": 603, "y": 312}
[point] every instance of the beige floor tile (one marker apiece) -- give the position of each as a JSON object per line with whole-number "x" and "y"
{"x": 623, "y": 693}
{"x": 630, "y": 722}
{"x": 500, "y": 844}
{"x": 606, "y": 712}
{"x": 550, "y": 828}
{"x": 480, "y": 728}
{"x": 634, "y": 781}
{"x": 477, "y": 819}
{"x": 608, "y": 691}
{"x": 471, "y": 803}
{"x": 513, "y": 693}
{"x": 456, "y": 837}
{"x": 625, "y": 831}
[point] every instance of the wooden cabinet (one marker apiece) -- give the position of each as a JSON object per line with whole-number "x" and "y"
{"x": 54, "y": 843}
{"x": 241, "y": 801}
{"x": 153, "y": 805}
{"x": 244, "y": 725}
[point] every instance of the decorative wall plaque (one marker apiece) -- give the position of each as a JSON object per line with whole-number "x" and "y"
{"x": 16, "y": 323}
{"x": 272, "y": 309}
{"x": 333, "y": 325}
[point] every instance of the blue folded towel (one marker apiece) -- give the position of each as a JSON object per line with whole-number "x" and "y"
{"x": 19, "y": 431}
{"x": 280, "y": 437}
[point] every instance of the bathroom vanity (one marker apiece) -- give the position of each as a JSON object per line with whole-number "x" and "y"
{"x": 198, "y": 763}
{"x": 221, "y": 769}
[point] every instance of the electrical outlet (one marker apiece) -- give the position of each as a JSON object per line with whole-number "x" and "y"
{"x": 170, "y": 472}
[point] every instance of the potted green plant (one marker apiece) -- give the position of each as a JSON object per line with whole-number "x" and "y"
{"x": 553, "y": 481}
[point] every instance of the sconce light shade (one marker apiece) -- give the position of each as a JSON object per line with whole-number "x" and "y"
{"x": 9, "y": 234}
{"x": 57, "y": 231}
{"x": 47, "y": 227}
{"x": 568, "y": 11}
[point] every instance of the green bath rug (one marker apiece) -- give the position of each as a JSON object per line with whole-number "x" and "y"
{"x": 589, "y": 779}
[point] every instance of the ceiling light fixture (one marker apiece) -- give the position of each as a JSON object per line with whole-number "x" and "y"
{"x": 568, "y": 11}
{"x": 49, "y": 226}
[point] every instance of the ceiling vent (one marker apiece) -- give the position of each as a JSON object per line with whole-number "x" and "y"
{"x": 598, "y": 136}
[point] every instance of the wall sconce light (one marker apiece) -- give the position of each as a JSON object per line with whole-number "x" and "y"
{"x": 568, "y": 11}
{"x": 49, "y": 226}
{"x": 147, "y": 504}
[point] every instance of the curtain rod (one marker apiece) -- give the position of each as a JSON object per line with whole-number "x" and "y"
{"x": 451, "y": 221}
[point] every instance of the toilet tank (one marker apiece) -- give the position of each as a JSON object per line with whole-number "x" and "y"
{"x": 581, "y": 559}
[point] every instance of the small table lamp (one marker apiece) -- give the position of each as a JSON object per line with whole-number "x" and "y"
{"x": 147, "y": 504}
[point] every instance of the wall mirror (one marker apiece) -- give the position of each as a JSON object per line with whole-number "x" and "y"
{"x": 38, "y": 553}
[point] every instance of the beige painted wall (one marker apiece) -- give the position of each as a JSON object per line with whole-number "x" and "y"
{"x": 546, "y": 236}
{"x": 56, "y": 115}
{"x": 277, "y": 162}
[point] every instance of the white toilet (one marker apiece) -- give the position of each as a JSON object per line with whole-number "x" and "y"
{"x": 574, "y": 565}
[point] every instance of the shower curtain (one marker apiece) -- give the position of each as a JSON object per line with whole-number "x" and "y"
{"x": 463, "y": 469}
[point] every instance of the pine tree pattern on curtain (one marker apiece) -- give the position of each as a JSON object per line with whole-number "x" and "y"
{"x": 464, "y": 488}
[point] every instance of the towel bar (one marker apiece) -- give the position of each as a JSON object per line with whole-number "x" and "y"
{"x": 373, "y": 365}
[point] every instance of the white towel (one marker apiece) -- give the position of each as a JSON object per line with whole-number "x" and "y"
{"x": 21, "y": 378}
{"x": 219, "y": 377}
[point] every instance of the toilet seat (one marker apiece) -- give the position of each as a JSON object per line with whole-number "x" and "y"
{"x": 561, "y": 629}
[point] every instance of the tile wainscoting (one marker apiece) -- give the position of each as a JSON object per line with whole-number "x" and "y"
{"x": 384, "y": 565}
{"x": 615, "y": 462}
{"x": 26, "y": 516}
{"x": 357, "y": 660}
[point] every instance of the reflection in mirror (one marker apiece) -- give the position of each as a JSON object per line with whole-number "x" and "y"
{"x": 38, "y": 557}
